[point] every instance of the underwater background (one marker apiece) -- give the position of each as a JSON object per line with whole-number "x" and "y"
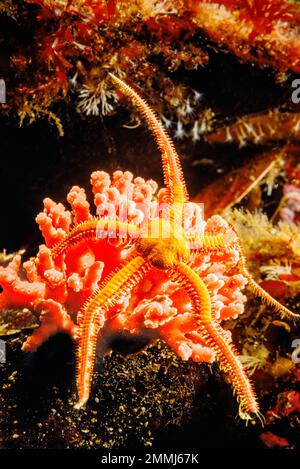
{"x": 227, "y": 102}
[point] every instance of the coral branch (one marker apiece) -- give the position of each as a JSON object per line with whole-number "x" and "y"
{"x": 54, "y": 318}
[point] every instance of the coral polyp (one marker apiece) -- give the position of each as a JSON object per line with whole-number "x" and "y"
{"x": 146, "y": 263}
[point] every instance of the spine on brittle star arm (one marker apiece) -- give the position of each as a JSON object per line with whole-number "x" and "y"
{"x": 210, "y": 242}
{"x": 215, "y": 338}
{"x": 173, "y": 174}
{"x": 93, "y": 229}
{"x": 92, "y": 317}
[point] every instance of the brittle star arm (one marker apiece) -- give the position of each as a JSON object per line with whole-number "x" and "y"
{"x": 256, "y": 288}
{"x": 94, "y": 229}
{"x": 92, "y": 317}
{"x": 260, "y": 292}
{"x": 215, "y": 338}
{"x": 173, "y": 174}
{"x": 207, "y": 242}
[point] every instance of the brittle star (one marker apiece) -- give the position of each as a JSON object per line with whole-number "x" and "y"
{"x": 161, "y": 244}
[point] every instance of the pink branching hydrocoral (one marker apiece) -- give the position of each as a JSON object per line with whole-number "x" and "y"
{"x": 55, "y": 289}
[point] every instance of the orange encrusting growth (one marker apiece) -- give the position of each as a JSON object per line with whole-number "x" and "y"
{"x": 92, "y": 317}
{"x": 216, "y": 339}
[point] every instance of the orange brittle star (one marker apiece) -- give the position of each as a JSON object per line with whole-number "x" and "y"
{"x": 161, "y": 244}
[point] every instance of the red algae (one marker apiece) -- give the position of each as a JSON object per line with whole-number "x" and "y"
{"x": 76, "y": 45}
